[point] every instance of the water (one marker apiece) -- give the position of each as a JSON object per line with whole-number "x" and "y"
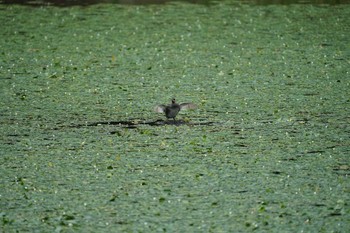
{"x": 267, "y": 149}
{"x": 68, "y": 3}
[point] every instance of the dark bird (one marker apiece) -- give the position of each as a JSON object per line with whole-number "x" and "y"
{"x": 174, "y": 108}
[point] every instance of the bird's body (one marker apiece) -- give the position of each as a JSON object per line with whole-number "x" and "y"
{"x": 173, "y": 109}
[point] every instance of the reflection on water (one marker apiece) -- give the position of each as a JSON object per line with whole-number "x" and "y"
{"x": 143, "y": 2}
{"x": 286, "y": 2}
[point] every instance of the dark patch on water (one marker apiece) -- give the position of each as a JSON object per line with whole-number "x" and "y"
{"x": 134, "y": 123}
{"x": 289, "y": 2}
{"x": 69, "y": 3}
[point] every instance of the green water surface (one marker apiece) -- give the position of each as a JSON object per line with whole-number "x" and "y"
{"x": 267, "y": 150}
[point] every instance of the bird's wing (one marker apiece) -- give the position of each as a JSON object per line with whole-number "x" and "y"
{"x": 185, "y": 106}
{"x": 160, "y": 108}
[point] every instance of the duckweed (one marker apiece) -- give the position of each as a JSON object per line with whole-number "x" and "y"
{"x": 266, "y": 150}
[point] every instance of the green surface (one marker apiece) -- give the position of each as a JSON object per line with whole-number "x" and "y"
{"x": 267, "y": 150}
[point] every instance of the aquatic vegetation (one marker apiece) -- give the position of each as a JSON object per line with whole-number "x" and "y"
{"x": 267, "y": 149}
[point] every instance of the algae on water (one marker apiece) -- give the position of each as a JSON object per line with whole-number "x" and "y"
{"x": 267, "y": 149}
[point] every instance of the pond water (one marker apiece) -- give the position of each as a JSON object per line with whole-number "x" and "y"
{"x": 267, "y": 149}
{"x": 66, "y": 3}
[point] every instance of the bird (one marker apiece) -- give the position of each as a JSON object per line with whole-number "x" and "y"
{"x": 174, "y": 108}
